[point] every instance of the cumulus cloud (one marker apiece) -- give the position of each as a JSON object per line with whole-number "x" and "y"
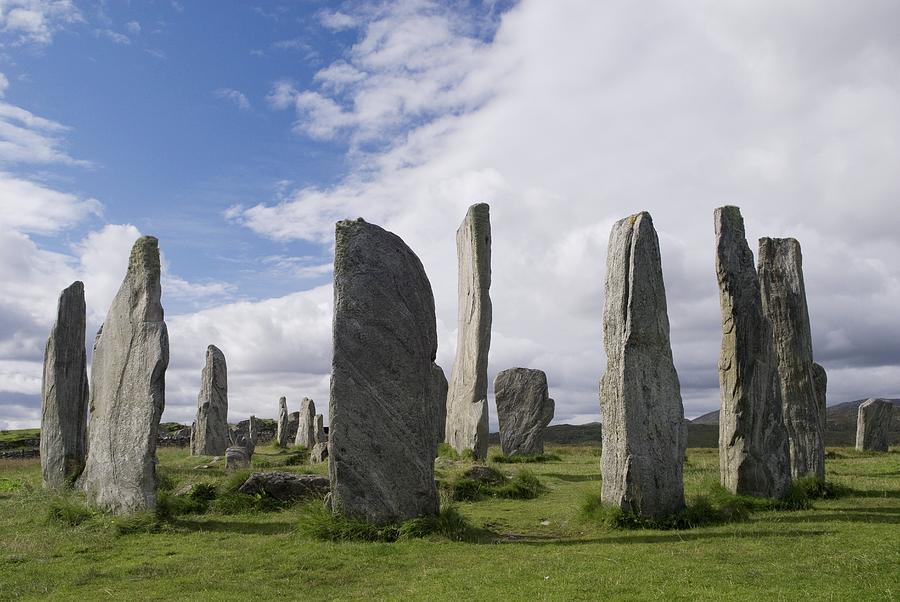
{"x": 35, "y": 21}
{"x": 233, "y": 96}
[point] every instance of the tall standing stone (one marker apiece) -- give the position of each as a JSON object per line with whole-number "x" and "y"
{"x": 209, "y": 435}
{"x": 644, "y": 433}
{"x": 873, "y": 423}
{"x": 524, "y": 409}
{"x": 319, "y": 430}
{"x": 128, "y": 388}
{"x": 784, "y": 305}
{"x": 281, "y": 436}
{"x": 753, "y": 444}
{"x": 386, "y": 390}
{"x": 64, "y": 393}
{"x": 820, "y": 381}
{"x": 306, "y": 426}
{"x": 467, "y": 407}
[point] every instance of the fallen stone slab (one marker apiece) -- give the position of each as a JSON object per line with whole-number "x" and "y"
{"x": 286, "y": 486}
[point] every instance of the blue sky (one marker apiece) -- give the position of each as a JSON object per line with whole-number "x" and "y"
{"x": 239, "y": 133}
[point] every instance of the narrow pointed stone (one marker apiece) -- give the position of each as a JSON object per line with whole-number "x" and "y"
{"x": 753, "y": 443}
{"x": 873, "y": 424}
{"x": 306, "y": 426}
{"x": 319, "y": 430}
{"x": 64, "y": 393}
{"x": 467, "y": 408}
{"x": 128, "y": 388}
{"x": 784, "y": 305}
{"x": 386, "y": 390}
{"x": 644, "y": 433}
{"x": 524, "y": 409}
{"x": 820, "y": 380}
{"x": 210, "y": 434}
{"x": 281, "y": 435}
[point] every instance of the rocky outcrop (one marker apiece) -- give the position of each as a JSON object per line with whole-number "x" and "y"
{"x": 306, "y": 424}
{"x": 209, "y": 436}
{"x": 644, "y": 432}
{"x": 285, "y": 486}
{"x": 753, "y": 444}
{"x": 467, "y": 409}
{"x": 524, "y": 409}
{"x": 128, "y": 388}
{"x": 873, "y": 425}
{"x": 282, "y": 436}
{"x": 386, "y": 390}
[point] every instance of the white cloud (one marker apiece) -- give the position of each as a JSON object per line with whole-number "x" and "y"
{"x": 31, "y": 207}
{"x": 4, "y": 84}
{"x": 113, "y": 36}
{"x": 233, "y": 96}
{"x": 133, "y": 27}
{"x": 337, "y": 20}
{"x": 35, "y": 21}
{"x": 28, "y": 138}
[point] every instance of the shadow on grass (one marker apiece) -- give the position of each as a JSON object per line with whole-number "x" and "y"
{"x": 668, "y": 537}
{"x": 242, "y": 528}
{"x": 572, "y": 478}
{"x": 870, "y": 493}
{"x": 888, "y": 516}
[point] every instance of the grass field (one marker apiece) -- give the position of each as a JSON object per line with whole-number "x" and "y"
{"x": 541, "y": 549}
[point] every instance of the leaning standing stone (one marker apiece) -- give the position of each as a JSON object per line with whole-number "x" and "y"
{"x": 640, "y": 397}
{"x": 753, "y": 444}
{"x": 873, "y": 423}
{"x": 524, "y": 409}
{"x": 784, "y": 304}
{"x": 64, "y": 393}
{"x": 282, "y": 435}
{"x": 386, "y": 390}
{"x": 306, "y": 427}
{"x": 128, "y": 388}
{"x": 210, "y": 433}
{"x": 467, "y": 409}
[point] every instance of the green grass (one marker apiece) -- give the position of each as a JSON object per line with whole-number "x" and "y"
{"x": 9, "y": 439}
{"x": 501, "y": 459}
{"x": 843, "y": 547}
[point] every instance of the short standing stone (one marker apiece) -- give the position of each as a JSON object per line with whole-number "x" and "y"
{"x": 753, "y": 443}
{"x": 873, "y": 424}
{"x": 467, "y": 409}
{"x": 64, "y": 393}
{"x": 319, "y": 430}
{"x": 644, "y": 433}
{"x": 386, "y": 390}
{"x": 820, "y": 380}
{"x": 524, "y": 409}
{"x": 784, "y": 304}
{"x": 210, "y": 432}
{"x": 282, "y": 436}
{"x": 306, "y": 425}
{"x": 319, "y": 453}
{"x": 237, "y": 457}
{"x": 128, "y": 387}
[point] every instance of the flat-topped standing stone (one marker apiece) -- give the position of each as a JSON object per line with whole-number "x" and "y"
{"x": 64, "y": 393}
{"x": 128, "y": 388}
{"x": 306, "y": 425}
{"x": 386, "y": 390}
{"x": 467, "y": 407}
{"x": 753, "y": 444}
{"x": 209, "y": 435}
{"x": 784, "y": 305}
{"x": 820, "y": 381}
{"x": 282, "y": 435}
{"x": 873, "y": 423}
{"x": 644, "y": 433}
{"x": 319, "y": 429}
{"x": 524, "y": 409}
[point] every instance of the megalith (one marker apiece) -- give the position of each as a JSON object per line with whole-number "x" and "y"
{"x": 281, "y": 436}
{"x": 644, "y": 433}
{"x": 820, "y": 381}
{"x": 209, "y": 434}
{"x": 319, "y": 430}
{"x": 64, "y": 393}
{"x": 467, "y": 408}
{"x": 128, "y": 388}
{"x": 306, "y": 425}
{"x": 524, "y": 409}
{"x": 784, "y": 305}
{"x": 753, "y": 443}
{"x": 386, "y": 391}
{"x": 873, "y": 424}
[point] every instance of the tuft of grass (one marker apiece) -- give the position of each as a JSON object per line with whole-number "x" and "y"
{"x": 538, "y": 458}
{"x": 142, "y": 522}
{"x": 235, "y": 502}
{"x": 164, "y": 480}
{"x": 524, "y": 485}
{"x": 445, "y": 450}
{"x": 234, "y": 481}
{"x": 68, "y": 512}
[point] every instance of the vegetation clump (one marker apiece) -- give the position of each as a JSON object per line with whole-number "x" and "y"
{"x": 318, "y": 522}
{"x": 537, "y": 458}
{"x": 481, "y": 482}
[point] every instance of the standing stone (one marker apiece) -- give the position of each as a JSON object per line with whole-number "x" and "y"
{"x": 753, "y": 444}
{"x": 306, "y": 425}
{"x": 784, "y": 305}
{"x": 820, "y": 381}
{"x": 209, "y": 435}
{"x": 467, "y": 408}
{"x": 524, "y": 409}
{"x": 128, "y": 388}
{"x": 237, "y": 457}
{"x": 644, "y": 432}
{"x": 386, "y": 390}
{"x": 252, "y": 434}
{"x": 873, "y": 423}
{"x": 282, "y": 435}
{"x": 64, "y": 393}
{"x": 319, "y": 430}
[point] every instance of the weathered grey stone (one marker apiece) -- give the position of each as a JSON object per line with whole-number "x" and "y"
{"x": 237, "y": 457}
{"x": 282, "y": 436}
{"x": 252, "y": 434}
{"x": 306, "y": 425}
{"x": 286, "y": 486}
{"x": 873, "y": 424}
{"x": 753, "y": 444}
{"x": 820, "y": 382}
{"x": 64, "y": 393}
{"x": 319, "y": 453}
{"x": 210, "y": 432}
{"x": 386, "y": 390}
{"x": 128, "y": 388}
{"x": 524, "y": 409}
{"x": 644, "y": 432}
{"x": 467, "y": 408}
{"x": 784, "y": 305}
{"x": 319, "y": 429}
